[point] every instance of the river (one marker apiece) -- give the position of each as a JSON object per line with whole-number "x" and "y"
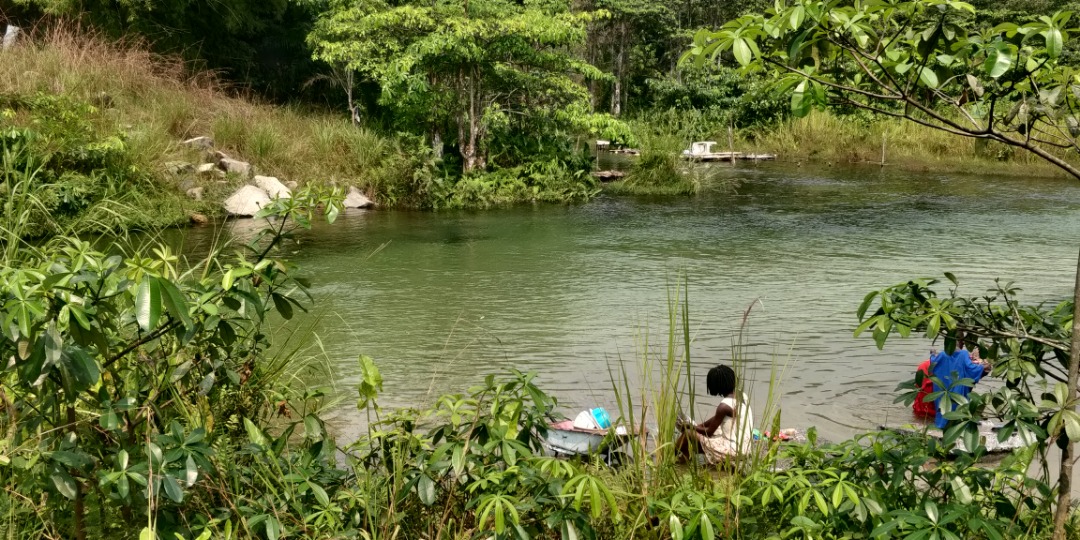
{"x": 441, "y": 299}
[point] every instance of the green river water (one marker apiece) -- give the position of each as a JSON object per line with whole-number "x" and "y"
{"x": 441, "y": 299}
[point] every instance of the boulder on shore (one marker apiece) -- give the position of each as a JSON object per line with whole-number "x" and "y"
{"x": 200, "y": 143}
{"x": 247, "y": 201}
{"x": 273, "y": 187}
{"x": 199, "y": 219}
{"x": 235, "y": 166}
{"x": 356, "y": 199}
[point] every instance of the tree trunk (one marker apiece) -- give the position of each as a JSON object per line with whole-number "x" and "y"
{"x": 436, "y": 143}
{"x": 620, "y": 59}
{"x": 470, "y": 130}
{"x": 1068, "y": 454}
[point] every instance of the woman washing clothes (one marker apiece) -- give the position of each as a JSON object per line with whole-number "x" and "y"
{"x": 948, "y": 369}
{"x": 729, "y": 432}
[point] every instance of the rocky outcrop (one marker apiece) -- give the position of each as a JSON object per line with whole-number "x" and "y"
{"x": 356, "y": 199}
{"x": 273, "y": 187}
{"x": 247, "y": 201}
{"x": 235, "y": 166}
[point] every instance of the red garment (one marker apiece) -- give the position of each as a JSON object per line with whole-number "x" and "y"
{"x": 920, "y": 408}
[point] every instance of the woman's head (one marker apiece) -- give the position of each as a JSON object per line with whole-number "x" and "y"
{"x": 720, "y": 381}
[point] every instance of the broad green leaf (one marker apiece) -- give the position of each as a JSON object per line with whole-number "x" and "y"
{"x": 801, "y": 102}
{"x": 568, "y": 531}
{"x": 741, "y": 51}
{"x": 191, "y": 472}
{"x": 1072, "y": 424}
{"x": 172, "y": 488}
{"x": 425, "y": 488}
{"x": 928, "y": 77}
{"x": 255, "y": 435}
{"x": 64, "y": 483}
{"x": 282, "y": 305}
{"x": 273, "y": 528}
{"x": 707, "y": 532}
{"x": 675, "y": 525}
{"x": 822, "y": 505}
{"x": 80, "y": 370}
{"x": 109, "y": 421}
{"x": 228, "y": 279}
{"x": 931, "y": 511}
{"x": 75, "y": 460}
{"x": 1054, "y": 42}
{"x": 147, "y": 304}
{"x": 174, "y": 301}
{"x": 999, "y": 59}
{"x": 312, "y": 429}
{"x": 320, "y": 494}
{"x": 961, "y": 490}
{"x": 867, "y": 300}
{"x": 798, "y": 15}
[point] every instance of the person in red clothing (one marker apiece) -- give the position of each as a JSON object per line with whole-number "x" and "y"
{"x": 924, "y": 409}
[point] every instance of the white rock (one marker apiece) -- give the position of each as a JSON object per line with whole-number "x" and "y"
{"x": 247, "y": 201}
{"x": 10, "y": 35}
{"x": 206, "y": 168}
{"x": 273, "y": 187}
{"x": 202, "y": 143}
{"x": 291, "y": 184}
{"x": 195, "y": 193}
{"x": 355, "y": 199}
{"x": 235, "y": 166}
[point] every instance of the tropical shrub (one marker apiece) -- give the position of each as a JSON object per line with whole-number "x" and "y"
{"x": 128, "y": 376}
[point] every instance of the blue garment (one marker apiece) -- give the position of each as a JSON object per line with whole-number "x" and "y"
{"x": 949, "y": 369}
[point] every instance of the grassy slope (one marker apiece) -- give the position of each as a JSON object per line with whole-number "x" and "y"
{"x": 158, "y": 104}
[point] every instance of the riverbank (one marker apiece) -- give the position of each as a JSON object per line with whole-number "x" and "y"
{"x": 74, "y": 94}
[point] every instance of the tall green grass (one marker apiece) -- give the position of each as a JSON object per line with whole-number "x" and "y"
{"x": 832, "y": 138}
{"x": 666, "y": 386}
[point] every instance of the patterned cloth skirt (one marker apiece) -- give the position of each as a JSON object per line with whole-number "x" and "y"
{"x": 718, "y": 449}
